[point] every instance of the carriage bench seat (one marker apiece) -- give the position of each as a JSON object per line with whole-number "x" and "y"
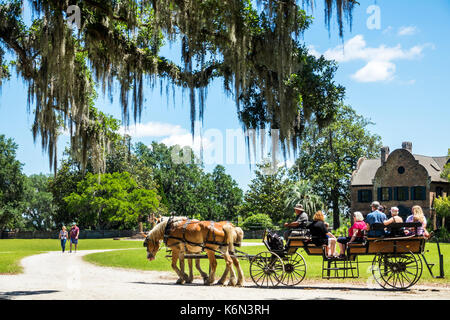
{"x": 356, "y": 247}
{"x": 395, "y": 226}
{"x": 298, "y": 241}
{"x": 305, "y": 243}
{"x": 356, "y": 244}
{"x": 299, "y": 238}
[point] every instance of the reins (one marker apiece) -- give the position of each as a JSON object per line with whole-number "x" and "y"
{"x": 183, "y": 239}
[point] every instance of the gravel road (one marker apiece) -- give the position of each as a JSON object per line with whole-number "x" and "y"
{"x": 62, "y": 276}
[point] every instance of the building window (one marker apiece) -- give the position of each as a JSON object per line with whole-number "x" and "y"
{"x": 401, "y": 193}
{"x": 418, "y": 193}
{"x": 384, "y": 194}
{"x": 401, "y": 170}
{"x": 365, "y": 195}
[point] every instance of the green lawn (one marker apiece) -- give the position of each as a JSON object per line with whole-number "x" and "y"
{"x": 12, "y": 251}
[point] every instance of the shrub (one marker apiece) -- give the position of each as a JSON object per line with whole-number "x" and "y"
{"x": 257, "y": 222}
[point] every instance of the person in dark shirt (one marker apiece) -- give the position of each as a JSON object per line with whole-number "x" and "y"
{"x": 301, "y": 219}
{"x": 320, "y": 234}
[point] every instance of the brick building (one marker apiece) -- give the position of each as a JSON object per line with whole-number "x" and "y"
{"x": 401, "y": 179}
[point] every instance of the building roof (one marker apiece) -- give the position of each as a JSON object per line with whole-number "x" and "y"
{"x": 367, "y": 168}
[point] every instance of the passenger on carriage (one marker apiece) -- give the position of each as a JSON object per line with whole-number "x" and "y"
{"x": 417, "y": 216}
{"x": 395, "y": 218}
{"x": 299, "y": 223}
{"x": 355, "y": 233}
{"x": 320, "y": 234}
{"x": 375, "y": 217}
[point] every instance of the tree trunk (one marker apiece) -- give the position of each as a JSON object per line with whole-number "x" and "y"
{"x": 335, "y": 190}
{"x": 335, "y": 205}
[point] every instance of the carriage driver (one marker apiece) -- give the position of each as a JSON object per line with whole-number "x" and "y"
{"x": 301, "y": 219}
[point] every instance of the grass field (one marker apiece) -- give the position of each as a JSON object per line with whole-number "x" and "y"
{"x": 12, "y": 251}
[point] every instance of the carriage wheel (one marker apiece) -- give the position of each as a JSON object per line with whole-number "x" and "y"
{"x": 294, "y": 269}
{"x": 397, "y": 270}
{"x": 266, "y": 269}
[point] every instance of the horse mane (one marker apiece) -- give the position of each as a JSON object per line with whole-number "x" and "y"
{"x": 157, "y": 233}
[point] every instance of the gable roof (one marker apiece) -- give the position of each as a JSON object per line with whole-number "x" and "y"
{"x": 367, "y": 168}
{"x": 365, "y": 173}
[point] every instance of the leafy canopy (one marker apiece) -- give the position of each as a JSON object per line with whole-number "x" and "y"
{"x": 254, "y": 49}
{"x": 111, "y": 200}
{"x": 12, "y": 185}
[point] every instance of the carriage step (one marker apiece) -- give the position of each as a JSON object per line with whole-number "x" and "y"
{"x": 340, "y": 277}
{"x": 348, "y": 268}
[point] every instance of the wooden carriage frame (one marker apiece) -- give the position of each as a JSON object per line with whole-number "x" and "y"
{"x": 397, "y": 263}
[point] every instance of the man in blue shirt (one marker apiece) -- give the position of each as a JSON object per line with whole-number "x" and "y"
{"x": 375, "y": 217}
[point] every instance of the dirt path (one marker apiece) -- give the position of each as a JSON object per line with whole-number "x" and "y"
{"x": 55, "y": 275}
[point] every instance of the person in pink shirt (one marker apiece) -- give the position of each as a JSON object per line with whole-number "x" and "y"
{"x": 355, "y": 233}
{"x": 74, "y": 233}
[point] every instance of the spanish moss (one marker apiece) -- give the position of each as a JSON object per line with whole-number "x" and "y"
{"x": 255, "y": 51}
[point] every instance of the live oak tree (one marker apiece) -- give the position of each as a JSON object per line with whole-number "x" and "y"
{"x": 12, "y": 184}
{"x": 328, "y": 157}
{"x": 120, "y": 159}
{"x": 39, "y": 208}
{"x": 442, "y": 206}
{"x": 446, "y": 172}
{"x": 111, "y": 201}
{"x": 254, "y": 50}
{"x": 267, "y": 193}
{"x": 184, "y": 186}
{"x": 226, "y": 193}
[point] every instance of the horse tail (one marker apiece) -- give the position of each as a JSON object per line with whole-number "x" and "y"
{"x": 229, "y": 236}
{"x": 239, "y": 236}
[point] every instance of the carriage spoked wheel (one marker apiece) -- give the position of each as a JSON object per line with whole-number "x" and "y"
{"x": 294, "y": 269}
{"x": 397, "y": 270}
{"x": 266, "y": 269}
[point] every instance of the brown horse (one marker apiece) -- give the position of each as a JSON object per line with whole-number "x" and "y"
{"x": 193, "y": 236}
{"x": 237, "y": 236}
{"x": 187, "y": 278}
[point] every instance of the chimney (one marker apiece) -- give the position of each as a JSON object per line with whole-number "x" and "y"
{"x": 384, "y": 154}
{"x": 407, "y": 146}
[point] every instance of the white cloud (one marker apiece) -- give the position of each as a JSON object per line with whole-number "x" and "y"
{"x": 171, "y": 134}
{"x": 356, "y": 49}
{"x": 375, "y": 71}
{"x": 407, "y": 31}
{"x": 379, "y": 60}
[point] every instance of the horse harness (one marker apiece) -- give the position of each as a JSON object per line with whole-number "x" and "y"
{"x": 183, "y": 239}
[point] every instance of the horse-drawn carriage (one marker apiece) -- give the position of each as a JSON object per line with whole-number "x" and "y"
{"x": 397, "y": 262}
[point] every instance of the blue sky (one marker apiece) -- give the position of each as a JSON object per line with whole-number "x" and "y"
{"x": 395, "y": 70}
